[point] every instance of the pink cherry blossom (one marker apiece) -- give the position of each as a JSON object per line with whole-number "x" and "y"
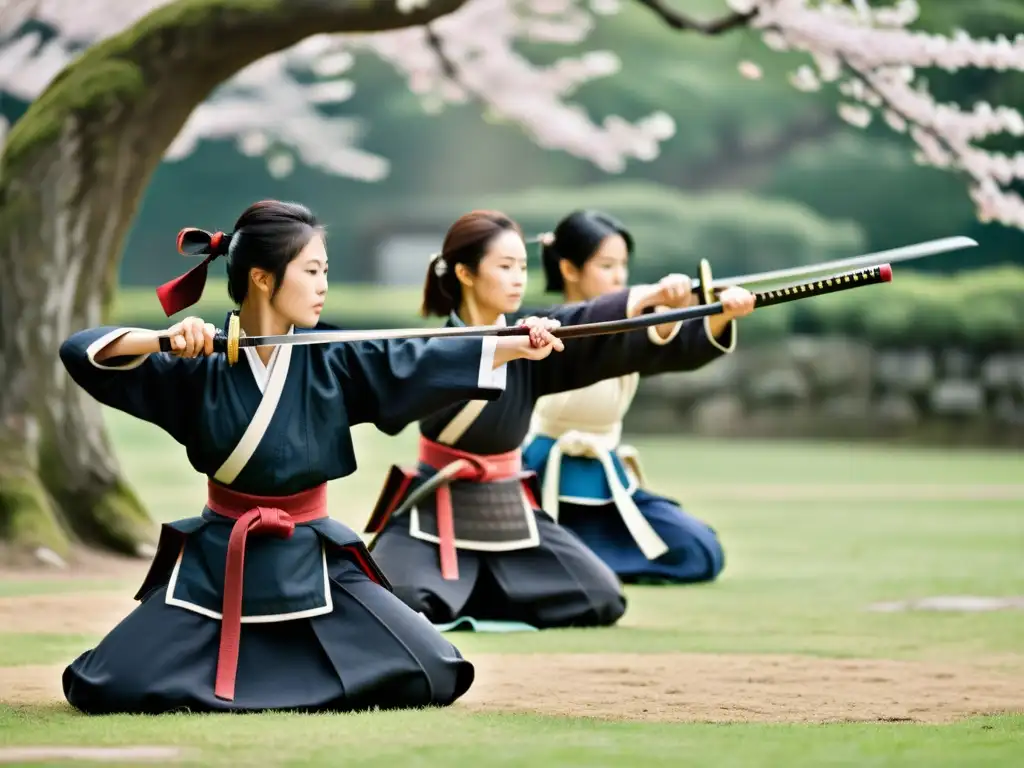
{"x": 871, "y": 56}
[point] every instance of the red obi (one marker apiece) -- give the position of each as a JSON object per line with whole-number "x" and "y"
{"x": 454, "y": 465}
{"x": 266, "y": 515}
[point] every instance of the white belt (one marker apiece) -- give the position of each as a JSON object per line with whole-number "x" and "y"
{"x": 574, "y": 443}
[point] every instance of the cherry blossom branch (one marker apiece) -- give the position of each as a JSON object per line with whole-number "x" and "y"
{"x": 447, "y": 65}
{"x": 681, "y": 23}
{"x": 476, "y": 45}
{"x": 869, "y": 53}
{"x": 874, "y": 60}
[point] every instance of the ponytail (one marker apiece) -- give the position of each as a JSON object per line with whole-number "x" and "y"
{"x": 549, "y": 259}
{"x": 441, "y": 290}
{"x": 465, "y": 243}
{"x": 576, "y": 238}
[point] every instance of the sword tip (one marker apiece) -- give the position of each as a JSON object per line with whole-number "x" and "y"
{"x": 963, "y": 241}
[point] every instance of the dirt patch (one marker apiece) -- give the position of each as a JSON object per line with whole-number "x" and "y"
{"x": 78, "y": 613}
{"x": 697, "y": 688}
{"x": 82, "y": 562}
{"x": 739, "y": 688}
{"x": 953, "y": 603}
{"x": 96, "y": 754}
{"x": 31, "y": 684}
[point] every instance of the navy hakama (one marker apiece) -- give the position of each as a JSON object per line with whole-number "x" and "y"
{"x": 512, "y": 561}
{"x": 298, "y": 616}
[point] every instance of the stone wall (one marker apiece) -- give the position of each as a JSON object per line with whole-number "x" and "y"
{"x": 842, "y": 388}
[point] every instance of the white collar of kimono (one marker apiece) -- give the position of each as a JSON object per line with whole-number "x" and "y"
{"x": 456, "y": 320}
{"x": 262, "y": 372}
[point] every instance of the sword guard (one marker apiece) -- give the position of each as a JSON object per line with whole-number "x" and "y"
{"x": 704, "y": 276}
{"x": 234, "y": 335}
{"x": 227, "y": 343}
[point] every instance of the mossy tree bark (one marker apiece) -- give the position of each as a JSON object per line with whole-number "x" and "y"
{"x": 71, "y": 178}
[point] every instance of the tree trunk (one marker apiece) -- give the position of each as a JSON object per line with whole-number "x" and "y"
{"x": 71, "y": 178}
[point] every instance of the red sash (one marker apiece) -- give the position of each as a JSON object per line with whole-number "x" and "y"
{"x": 268, "y": 515}
{"x": 460, "y": 465}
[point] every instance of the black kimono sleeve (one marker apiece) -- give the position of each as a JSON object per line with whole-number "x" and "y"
{"x": 588, "y": 360}
{"x": 159, "y": 388}
{"x": 393, "y": 383}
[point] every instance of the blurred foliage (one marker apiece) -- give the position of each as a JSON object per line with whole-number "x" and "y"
{"x": 736, "y": 231}
{"x": 983, "y": 309}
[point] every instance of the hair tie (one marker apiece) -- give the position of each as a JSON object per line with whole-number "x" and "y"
{"x": 544, "y": 238}
{"x": 440, "y": 265}
{"x": 215, "y": 241}
{"x": 185, "y": 290}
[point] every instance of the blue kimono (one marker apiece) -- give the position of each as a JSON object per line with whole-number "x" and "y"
{"x": 593, "y": 484}
{"x": 514, "y": 562}
{"x": 320, "y": 626}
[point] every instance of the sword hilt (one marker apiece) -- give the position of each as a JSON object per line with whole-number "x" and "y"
{"x": 223, "y": 343}
{"x": 867, "y": 276}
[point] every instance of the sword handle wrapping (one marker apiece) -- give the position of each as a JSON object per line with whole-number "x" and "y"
{"x": 842, "y": 282}
{"x": 868, "y": 276}
{"x": 223, "y": 343}
{"x": 220, "y": 344}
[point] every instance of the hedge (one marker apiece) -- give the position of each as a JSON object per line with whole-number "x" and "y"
{"x": 737, "y": 232}
{"x": 983, "y": 308}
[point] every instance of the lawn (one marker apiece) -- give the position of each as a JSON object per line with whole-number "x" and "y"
{"x": 740, "y": 672}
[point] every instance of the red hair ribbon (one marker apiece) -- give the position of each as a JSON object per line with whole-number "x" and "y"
{"x": 187, "y": 289}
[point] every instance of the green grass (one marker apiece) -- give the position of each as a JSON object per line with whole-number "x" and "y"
{"x": 454, "y": 740}
{"x": 26, "y": 587}
{"x": 19, "y": 649}
{"x": 800, "y": 576}
{"x": 427, "y": 738}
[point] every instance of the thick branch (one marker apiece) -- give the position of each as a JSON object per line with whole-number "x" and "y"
{"x": 681, "y": 23}
{"x": 73, "y": 172}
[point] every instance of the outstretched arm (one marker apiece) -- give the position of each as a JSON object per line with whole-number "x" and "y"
{"x": 672, "y": 347}
{"x": 393, "y": 383}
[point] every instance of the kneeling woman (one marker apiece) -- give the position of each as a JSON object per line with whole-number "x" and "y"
{"x": 462, "y": 534}
{"x": 298, "y": 616}
{"x": 589, "y": 479}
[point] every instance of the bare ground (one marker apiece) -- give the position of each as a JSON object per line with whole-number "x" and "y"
{"x": 681, "y": 687}
{"x": 75, "y": 613}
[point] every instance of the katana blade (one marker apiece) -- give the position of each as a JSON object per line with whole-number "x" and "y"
{"x": 809, "y": 271}
{"x": 881, "y": 273}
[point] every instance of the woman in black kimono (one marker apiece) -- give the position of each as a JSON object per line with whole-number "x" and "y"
{"x": 461, "y": 535}
{"x": 316, "y": 626}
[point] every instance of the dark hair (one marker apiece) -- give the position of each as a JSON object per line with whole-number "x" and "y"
{"x": 466, "y": 242}
{"x": 268, "y": 235}
{"x": 576, "y": 238}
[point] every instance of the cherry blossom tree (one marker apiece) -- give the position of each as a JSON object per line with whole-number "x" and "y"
{"x": 122, "y": 84}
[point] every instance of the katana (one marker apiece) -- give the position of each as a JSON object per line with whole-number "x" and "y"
{"x": 808, "y": 271}
{"x": 232, "y": 341}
